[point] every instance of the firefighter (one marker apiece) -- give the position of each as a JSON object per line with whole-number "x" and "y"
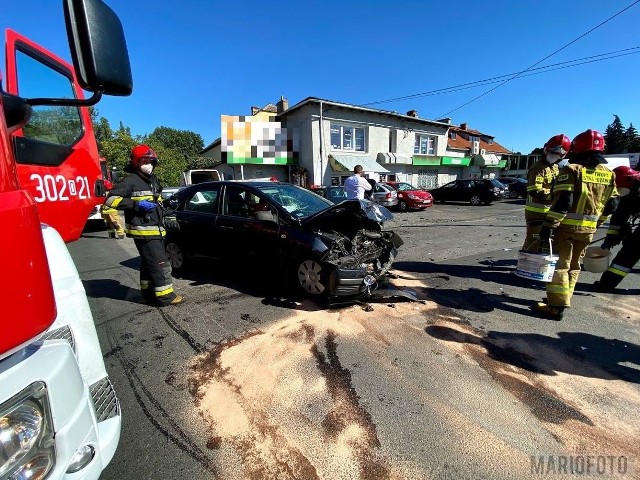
{"x": 112, "y": 218}
{"x": 139, "y": 196}
{"x": 539, "y": 181}
{"x": 584, "y": 195}
{"x": 628, "y": 184}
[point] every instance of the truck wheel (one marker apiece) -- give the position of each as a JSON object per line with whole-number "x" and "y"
{"x": 475, "y": 200}
{"x": 309, "y": 277}
{"x": 177, "y": 257}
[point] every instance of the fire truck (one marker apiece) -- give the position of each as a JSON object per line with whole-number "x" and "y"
{"x": 59, "y": 414}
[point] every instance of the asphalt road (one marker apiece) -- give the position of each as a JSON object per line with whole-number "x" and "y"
{"x": 241, "y": 382}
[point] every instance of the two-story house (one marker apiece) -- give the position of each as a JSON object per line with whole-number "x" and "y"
{"x": 334, "y": 137}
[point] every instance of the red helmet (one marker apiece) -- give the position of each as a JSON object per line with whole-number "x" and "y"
{"x": 626, "y": 176}
{"x": 558, "y": 144}
{"x": 587, "y": 141}
{"x": 142, "y": 151}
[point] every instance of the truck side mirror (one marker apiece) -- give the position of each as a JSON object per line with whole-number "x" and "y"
{"x": 98, "y": 47}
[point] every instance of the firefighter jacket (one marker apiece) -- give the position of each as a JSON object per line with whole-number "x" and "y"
{"x": 619, "y": 226}
{"x": 583, "y": 197}
{"x": 126, "y": 195}
{"x": 540, "y": 181}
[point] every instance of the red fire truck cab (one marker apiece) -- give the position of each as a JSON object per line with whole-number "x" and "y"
{"x": 59, "y": 414}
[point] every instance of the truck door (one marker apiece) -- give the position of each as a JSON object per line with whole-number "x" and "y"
{"x": 56, "y": 152}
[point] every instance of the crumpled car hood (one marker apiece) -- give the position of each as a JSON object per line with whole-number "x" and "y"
{"x": 349, "y": 210}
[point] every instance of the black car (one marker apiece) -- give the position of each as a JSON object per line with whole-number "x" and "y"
{"x": 475, "y": 191}
{"x": 326, "y": 249}
{"x": 517, "y": 186}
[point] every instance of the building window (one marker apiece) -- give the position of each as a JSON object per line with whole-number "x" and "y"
{"x": 344, "y": 137}
{"x": 425, "y": 144}
{"x": 490, "y": 141}
{"x": 453, "y": 135}
{"x": 474, "y": 138}
{"x": 393, "y": 140}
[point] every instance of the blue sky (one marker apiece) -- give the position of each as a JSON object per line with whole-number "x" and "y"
{"x": 195, "y": 60}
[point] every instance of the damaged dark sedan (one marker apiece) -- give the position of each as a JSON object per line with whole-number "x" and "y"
{"x": 321, "y": 248}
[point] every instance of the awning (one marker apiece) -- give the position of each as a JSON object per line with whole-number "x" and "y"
{"x": 456, "y": 161}
{"x": 346, "y": 163}
{"x": 424, "y": 160}
{"x": 486, "y": 160}
{"x": 501, "y": 164}
{"x": 384, "y": 157}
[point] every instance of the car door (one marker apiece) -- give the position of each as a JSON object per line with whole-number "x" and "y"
{"x": 462, "y": 190}
{"x": 197, "y": 221}
{"x": 241, "y": 230}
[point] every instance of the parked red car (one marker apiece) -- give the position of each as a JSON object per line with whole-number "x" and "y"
{"x": 410, "y": 197}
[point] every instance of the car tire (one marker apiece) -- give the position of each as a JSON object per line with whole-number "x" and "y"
{"x": 402, "y": 206}
{"x": 513, "y": 194}
{"x": 310, "y": 277}
{"x": 475, "y": 200}
{"x": 177, "y": 257}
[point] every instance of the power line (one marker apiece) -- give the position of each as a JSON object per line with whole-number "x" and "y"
{"x": 545, "y": 58}
{"x": 533, "y": 71}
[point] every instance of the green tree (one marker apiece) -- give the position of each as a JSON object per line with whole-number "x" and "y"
{"x": 633, "y": 139}
{"x": 615, "y": 137}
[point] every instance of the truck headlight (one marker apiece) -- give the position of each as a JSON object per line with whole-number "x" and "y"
{"x": 26, "y": 435}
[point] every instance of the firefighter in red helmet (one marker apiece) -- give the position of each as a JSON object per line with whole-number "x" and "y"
{"x": 620, "y": 230}
{"x": 539, "y": 182}
{"x": 584, "y": 195}
{"x": 139, "y": 196}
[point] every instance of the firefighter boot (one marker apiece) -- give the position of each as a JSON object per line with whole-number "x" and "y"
{"x": 553, "y": 313}
{"x": 598, "y": 286}
{"x": 178, "y": 300}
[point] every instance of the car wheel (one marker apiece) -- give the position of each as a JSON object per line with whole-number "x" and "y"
{"x": 177, "y": 257}
{"x": 475, "y": 200}
{"x": 310, "y": 277}
{"x": 513, "y": 194}
{"x": 402, "y": 206}
{"x": 488, "y": 202}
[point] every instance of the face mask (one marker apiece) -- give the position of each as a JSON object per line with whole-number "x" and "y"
{"x": 553, "y": 158}
{"x": 624, "y": 191}
{"x": 147, "y": 168}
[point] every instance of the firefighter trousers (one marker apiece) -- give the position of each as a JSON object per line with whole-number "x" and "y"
{"x": 569, "y": 245}
{"x": 156, "y": 283}
{"x": 623, "y": 262}
{"x": 534, "y": 221}
{"x": 114, "y": 224}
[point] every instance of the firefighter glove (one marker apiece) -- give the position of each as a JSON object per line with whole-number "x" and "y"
{"x": 146, "y": 206}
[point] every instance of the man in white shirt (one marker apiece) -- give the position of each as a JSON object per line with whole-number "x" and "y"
{"x": 356, "y": 184}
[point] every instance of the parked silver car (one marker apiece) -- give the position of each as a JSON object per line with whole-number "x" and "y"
{"x": 384, "y": 195}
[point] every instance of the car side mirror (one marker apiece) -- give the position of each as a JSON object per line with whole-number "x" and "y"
{"x": 98, "y": 47}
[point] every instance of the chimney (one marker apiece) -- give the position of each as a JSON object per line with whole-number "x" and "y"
{"x": 463, "y": 126}
{"x": 283, "y": 104}
{"x": 412, "y": 113}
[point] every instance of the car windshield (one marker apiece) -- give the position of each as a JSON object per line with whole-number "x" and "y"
{"x": 298, "y": 201}
{"x": 497, "y": 184}
{"x": 401, "y": 187}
